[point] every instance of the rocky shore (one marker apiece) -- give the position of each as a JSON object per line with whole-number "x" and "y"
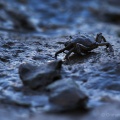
{"x": 34, "y": 85}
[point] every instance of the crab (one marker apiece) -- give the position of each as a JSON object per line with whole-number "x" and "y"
{"x": 83, "y": 44}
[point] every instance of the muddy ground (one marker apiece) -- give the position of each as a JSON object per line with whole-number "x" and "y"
{"x": 97, "y": 73}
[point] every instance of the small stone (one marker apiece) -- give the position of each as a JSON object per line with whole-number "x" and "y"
{"x": 39, "y": 76}
{"x": 4, "y": 58}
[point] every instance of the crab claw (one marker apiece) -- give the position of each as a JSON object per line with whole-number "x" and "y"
{"x": 66, "y": 58}
{"x": 111, "y": 48}
{"x": 60, "y": 51}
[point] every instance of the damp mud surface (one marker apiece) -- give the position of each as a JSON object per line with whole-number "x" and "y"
{"x": 97, "y": 74}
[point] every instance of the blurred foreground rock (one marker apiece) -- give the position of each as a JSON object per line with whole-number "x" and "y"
{"x": 40, "y": 76}
{"x": 65, "y": 95}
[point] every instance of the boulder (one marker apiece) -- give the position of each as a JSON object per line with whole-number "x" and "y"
{"x": 39, "y": 76}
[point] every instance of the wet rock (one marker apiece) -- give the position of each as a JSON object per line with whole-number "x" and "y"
{"x": 22, "y": 22}
{"x": 65, "y": 96}
{"x": 39, "y": 76}
{"x": 110, "y": 11}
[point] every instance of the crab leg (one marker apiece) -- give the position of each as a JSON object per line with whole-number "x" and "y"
{"x": 107, "y": 44}
{"x": 79, "y": 47}
{"x": 68, "y": 54}
{"x": 104, "y": 39}
{"x": 62, "y": 50}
